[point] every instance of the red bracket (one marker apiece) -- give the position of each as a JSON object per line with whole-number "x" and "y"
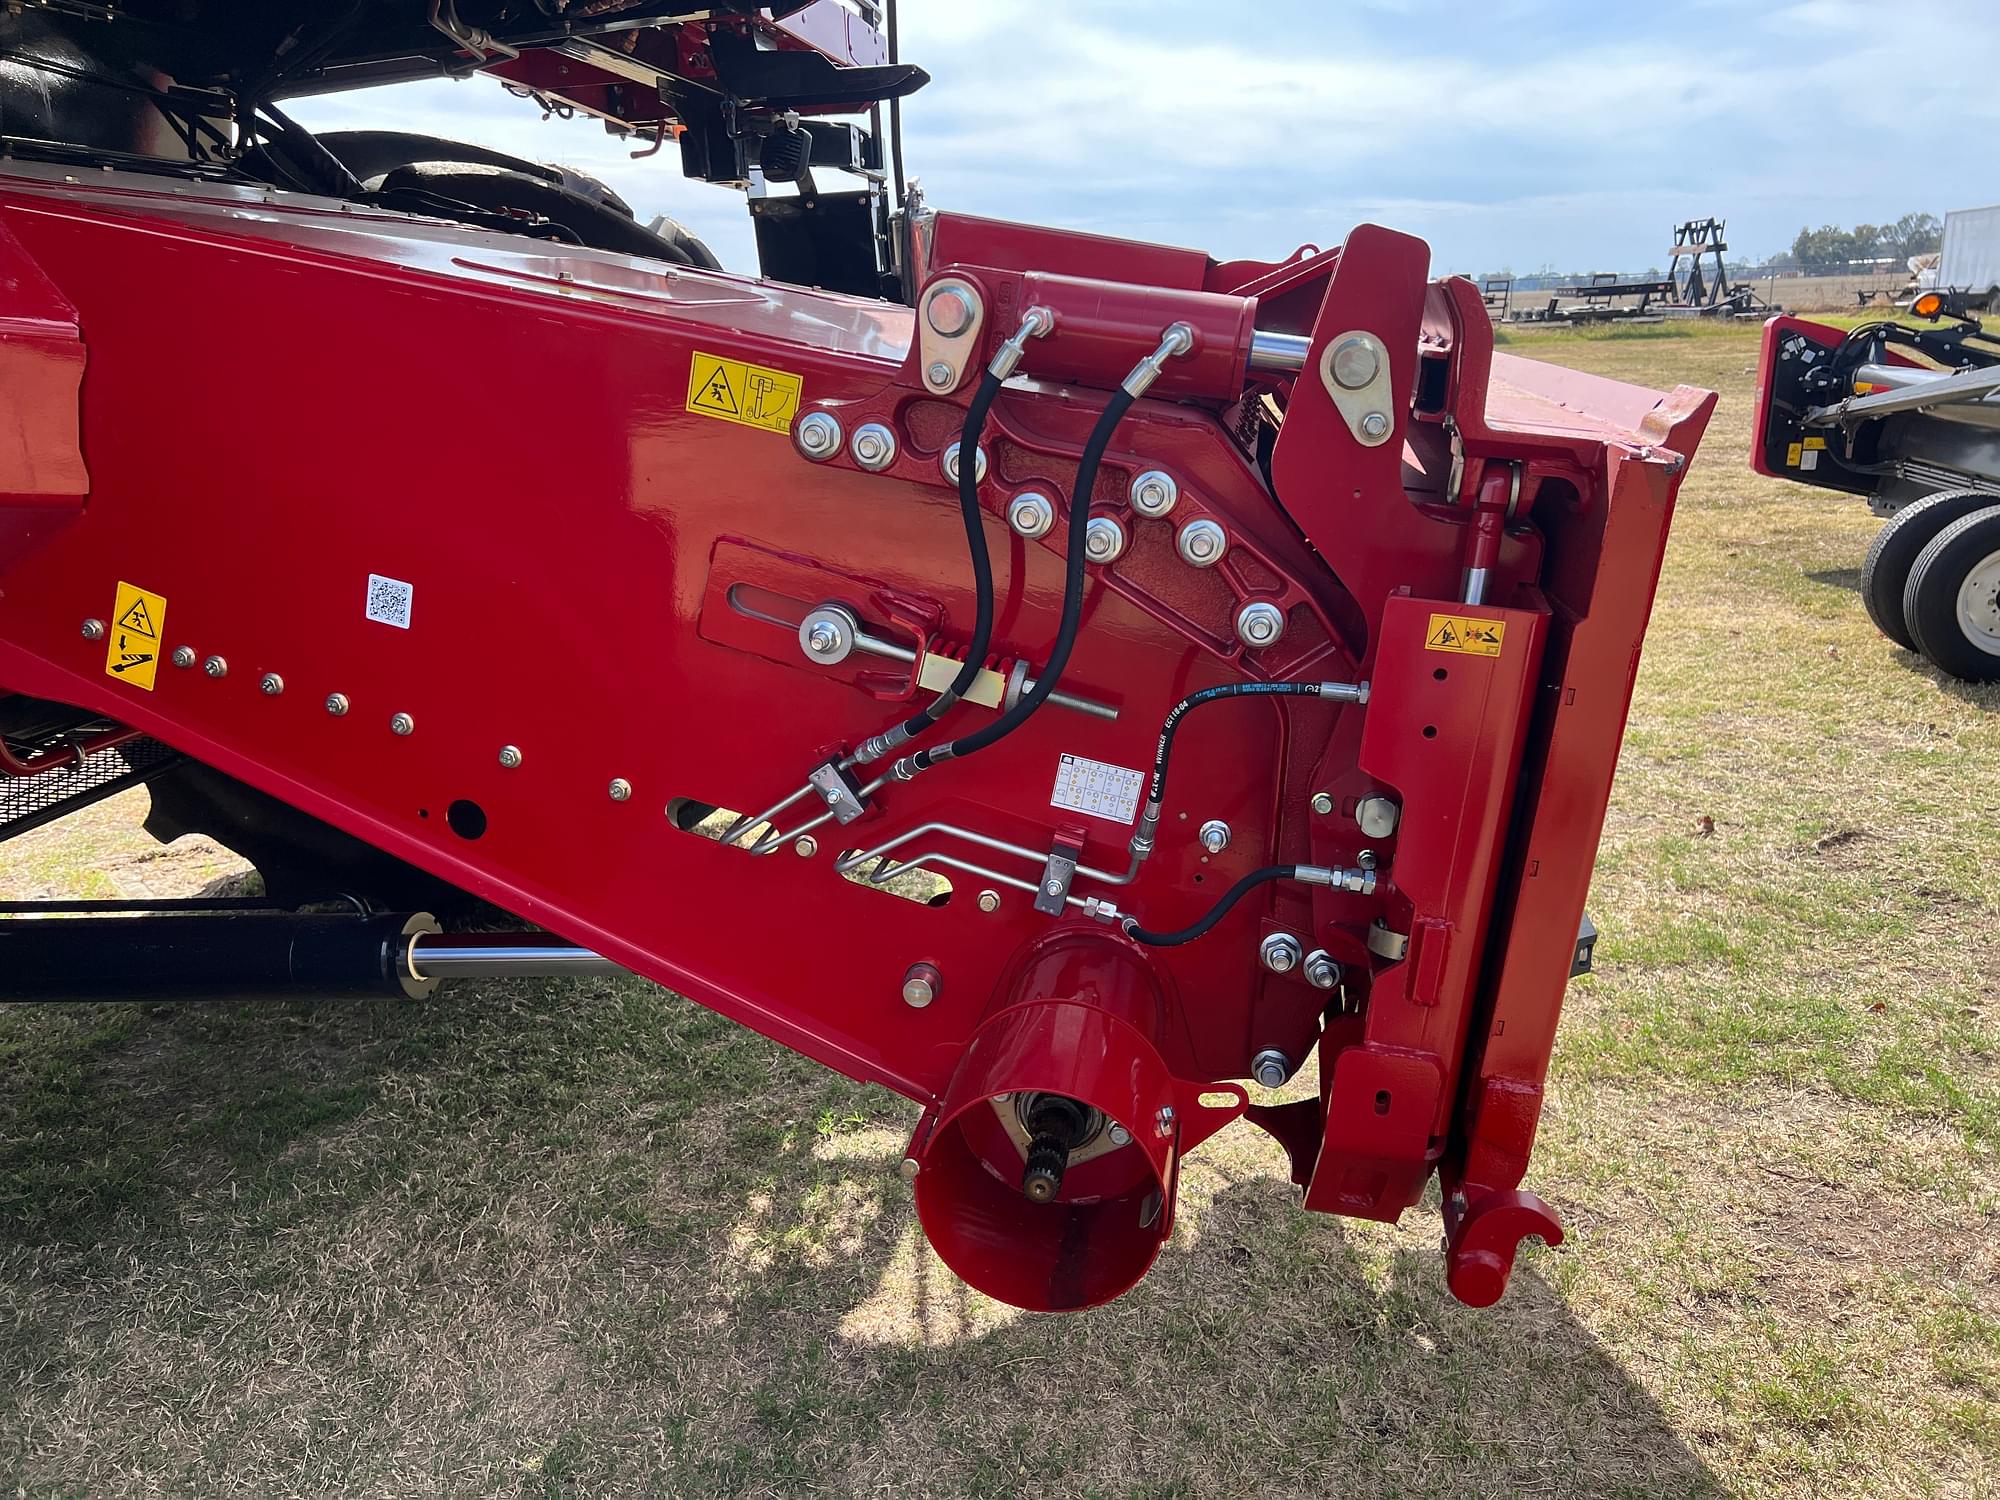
{"x": 1481, "y": 1242}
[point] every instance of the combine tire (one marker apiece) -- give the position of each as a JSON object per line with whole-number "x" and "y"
{"x": 1894, "y": 552}
{"x": 1952, "y": 602}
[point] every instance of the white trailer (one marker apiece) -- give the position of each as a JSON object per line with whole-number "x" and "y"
{"x": 1970, "y": 259}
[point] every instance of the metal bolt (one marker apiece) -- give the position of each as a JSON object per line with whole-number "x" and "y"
{"x": 216, "y": 667}
{"x": 336, "y": 704}
{"x": 818, "y": 436}
{"x": 822, "y": 638}
{"x": 1259, "y": 623}
{"x": 949, "y": 463}
{"x": 1103, "y": 540}
{"x": 989, "y": 901}
{"x": 1165, "y": 1119}
{"x": 1002, "y": 1098}
{"x": 910, "y": 1167}
{"x": 939, "y": 375}
{"x": 806, "y": 847}
{"x": 1270, "y": 1067}
{"x": 93, "y": 630}
{"x": 621, "y": 789}
{"x": 1215, "y": 835}
{"x": 510, "y": 756}
{"x": 950, "y": 311}
{"x": 1280, "y": 952}
{"x": 1054, "y": 887}
{"x": 1322, "y": 803}
{"x": 1030, "y": 515}
{"x": 1202, "y": 543}
{"x": 1322, "y": 969}
{"x": 184, "y": 657}
{"x": 874, "y": 447}
{"x": 1367, "y": 859}
{"x": 1153, "y": 493}
{"x": 402, "y": 724}
{"x": 1120, "y": 1136}
{"x": 270, "y": 684}
{"x": 921, "y": 985}
{"x": 1355, "y": 362}
{"x": 1375, "y": 425}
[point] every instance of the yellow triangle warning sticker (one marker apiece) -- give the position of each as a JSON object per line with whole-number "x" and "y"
{"x": 733, "y": 391}
{"x": 1466, "y": 635}
{"x": 139, "y": 620}
{"x": 132, "y": 654}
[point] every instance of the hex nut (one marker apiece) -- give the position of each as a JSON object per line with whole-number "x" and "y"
{"x": 1202, "y": 543}
{"x": 1103, "y": 540}
{"x": 620, "y": 789}
{"x": 1259, "y": 623}
{"x": 1375, "y": 425}
{"x": 1322, "y": 969}
{"x": 510, "y": 756}
{"x": 989, "y": 901}
{"x": 1030, "y": 515}
{"x": 93, "y": 630}
{"x": 1214, "y": 835}
{"x": 1153, "y": 493}
{"x": 216, "y": 667}
{"x": 184, "y": 657}
{"x": 818, "y": 436}
{"x": 402, "y": 724}
{"x": 949, "y": 464}
{"x": 1322, "y": 803}
{"x": 270, "y": 684}
{"x": 1270, "y": 1068}
{"x": 939, "y": 374}
{"x": 1280, "y": 952}
{"x": 873, "y": 447}
{"x": 336, "y": 704}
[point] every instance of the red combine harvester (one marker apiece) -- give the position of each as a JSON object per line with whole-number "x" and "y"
{"x": 1054, "y": 677}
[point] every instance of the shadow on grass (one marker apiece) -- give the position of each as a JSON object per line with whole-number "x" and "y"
{"x": 1838, "y": 578}
{"x": 721, "y": 1266}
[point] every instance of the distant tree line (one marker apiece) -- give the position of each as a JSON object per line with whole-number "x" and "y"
{"x": 1828, "y": 250}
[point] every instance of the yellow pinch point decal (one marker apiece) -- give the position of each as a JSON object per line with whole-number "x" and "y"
{"x": 137, "y": 620}
{"x": 1466, "y": 635}
{"x": 750, "y": 395}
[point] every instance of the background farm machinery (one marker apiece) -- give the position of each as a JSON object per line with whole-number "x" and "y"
{"x": 1055, "y": 677}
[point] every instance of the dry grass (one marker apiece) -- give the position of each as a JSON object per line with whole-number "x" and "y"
{"x": 547, "y": 1241}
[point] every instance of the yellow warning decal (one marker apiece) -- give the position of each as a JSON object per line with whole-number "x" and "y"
{"x": 1793, "y": 454}
{"x": 1465, "y": 635}
{"x": 137, "y": 618}
{"x": 736, "y": 392}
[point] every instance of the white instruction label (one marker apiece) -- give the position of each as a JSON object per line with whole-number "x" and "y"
{"x": 389, "y": 600}
{"x": 1101, "y": 790}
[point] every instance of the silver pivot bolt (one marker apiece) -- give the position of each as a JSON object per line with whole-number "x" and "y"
{"x": 1103, "y": 540}
{"x": 1280, "y": 952}
{"x": 1322, "y": 970}
{"x": 1270, "y": 1067}
{"x": 818, "y": 436}
{"x": 1030, "y": 515}
{"x": 1202, "y": 543}
{"x": 93, "y": 630}
{"x": 1355, "y": 362}
{"x": 1259, "y": 623}
{"x": 1215, "y": 835}
{"x": 1153, "y": 493}
{"x": 874, "y": 447}
{"x": 949, "y": 311}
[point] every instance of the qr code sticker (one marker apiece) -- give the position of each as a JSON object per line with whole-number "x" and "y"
{"x": 389, "y": 600}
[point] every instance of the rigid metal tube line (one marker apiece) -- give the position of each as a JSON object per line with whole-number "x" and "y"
{"x": 1284, "y": 353}
{"x": 436, "y": 958}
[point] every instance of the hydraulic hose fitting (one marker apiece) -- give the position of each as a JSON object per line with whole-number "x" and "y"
{"x": 1336, "y": 877}
{"x": 873, "y": 749}
{"x": 1036, "y": 322}
{"x": 1178, "y": 340}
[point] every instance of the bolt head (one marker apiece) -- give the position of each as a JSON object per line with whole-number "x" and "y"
{"x": 1322, "y": 803}
{"x": 216, "y": 667}
{"x": 270, "y": 684}
{"x": 909, "y": 1168}
{"x": 93, "y": 630}
{"x": 949, "y": 311}
{"x": 806, "y": 847}
{"x": 874, "y": 447}
{"x": 1322, "y": 970}
{"x": 822, "y": 638}
{"x": 949, "y": 464}
{"x": 1367, "y": 859}
{"x": 1202, "y": 543}
{"x": 1054, "y": 887}
{"x": 620, "y": 790}
{"x": 818, "y": 436}
{"x": 510, "y": 756}
{"x": 1120, "y": 1136}
{"x": 939, "y": 375}
{"x": 1259, "y": 623}
{"x": 1375, "y": 425}
{"x": 1280, "y": 952}
{"x": 989, "y": 901}
{"x": 1215, "y": 835}
{"x": 336, "y": 704}
{"x": 402, "y": 724}
{"x": 1103, "y": 540}
{"x": 183, "y": 657}
{"x": 1355, "y": 362}
{"x": 921, "y": 985}
{"x": 1270, "y": 1067}
{"x": 1153, "y": 493}
{"x": 1030, "y": 515}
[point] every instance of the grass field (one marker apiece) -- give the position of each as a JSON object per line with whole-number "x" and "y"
{"x": 583, "y": 1239}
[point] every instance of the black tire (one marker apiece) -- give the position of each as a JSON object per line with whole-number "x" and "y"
{"x": 1892, "y": 554}
{"x": 1965, "y": 554}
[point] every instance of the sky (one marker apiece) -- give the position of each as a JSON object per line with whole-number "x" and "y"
{"x": 1510, "y": 134}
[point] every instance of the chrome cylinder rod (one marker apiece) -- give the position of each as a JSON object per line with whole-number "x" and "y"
{"x": 1285, "y": 353}
{"x": 501, "y": 955}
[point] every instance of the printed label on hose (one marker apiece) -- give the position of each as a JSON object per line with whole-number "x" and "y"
{"x": 1098, "y": 789}
{"x": 1465, "y": 635}
{"x": 751, "y": 395}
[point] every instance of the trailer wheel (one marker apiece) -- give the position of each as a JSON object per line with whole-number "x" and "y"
{"x": 1886, "y": 569}
{"x": 1952, "y": 601}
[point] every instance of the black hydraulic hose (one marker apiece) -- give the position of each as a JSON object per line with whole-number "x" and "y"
{"x": 1072, "y": 606}
{"x": 1215, "y": 913}
{"x": 1157, "y": 791}
{"x": 982, "y": 559}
